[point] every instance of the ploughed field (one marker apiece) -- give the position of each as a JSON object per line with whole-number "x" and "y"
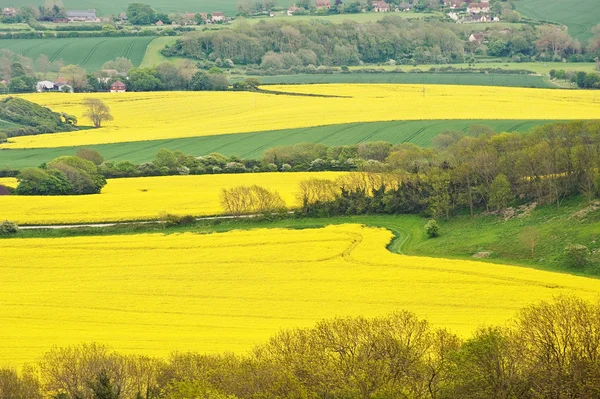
{"x": 170, "y": 115}
{"x": 154, "y": 293}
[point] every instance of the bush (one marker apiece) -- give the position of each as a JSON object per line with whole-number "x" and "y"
{"x": 576, "y": 256}
{"x": 3, "y": 138}
{"x": 175, "y": 220}
{"x": 8, "y": 228}
{"x": 432, "y": 228}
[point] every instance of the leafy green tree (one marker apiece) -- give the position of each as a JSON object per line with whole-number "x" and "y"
{"x": 166, "y": 158}
{"x": 103, "y": 388}
{"x": 432, "y": 228}
{"x": 82, "y": 174}
{"x": 200, "y": 82}
{"x": 500, "y": 192}
{"x": 576, "y": 256}
{"x": 34, "y": 181}
{"x": 141, "y": 14}
{"x": 144, "y": 79}
{"x": 22, "y": 84}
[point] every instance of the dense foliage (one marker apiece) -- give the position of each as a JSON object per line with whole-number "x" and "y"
{"x": 66, "y": 175}
{"x": 33, "y": 118}
{"x": 289, "y": 45}
{"x": 550, "y": 350}
{"x": 487, "y": 172}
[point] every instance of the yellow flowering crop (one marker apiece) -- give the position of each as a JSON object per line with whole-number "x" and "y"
{"x": 8, "y": 181}
{"x": 145, "y": 198}
{"x": 163, "y": 115}
{"x": 153, "y": 294}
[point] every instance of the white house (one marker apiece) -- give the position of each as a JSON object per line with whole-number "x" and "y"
{"x": 45, "y": 85}
{"x": 218, "y": 17}
{"x": 476, "y": 8}
{"x": 381, "y": 6}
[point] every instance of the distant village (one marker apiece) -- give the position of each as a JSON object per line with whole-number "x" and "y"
{"x": 458, "y": 10}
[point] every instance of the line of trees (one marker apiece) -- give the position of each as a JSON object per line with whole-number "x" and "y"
{"x": 550, "y": 350}
{"x": 487, "y": 172}
{"x": 284, "y": 45}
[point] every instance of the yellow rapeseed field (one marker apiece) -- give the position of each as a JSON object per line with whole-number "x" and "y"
{"x": 145, "y": 198}
{"x": 163, "y": 115}
{"x": 8, "y": 181}
{"x": 153, "y": 294}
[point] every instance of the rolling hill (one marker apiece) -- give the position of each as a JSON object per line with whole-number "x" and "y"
{"x": 90, "y": 53}
{"x": 580, "y": 16}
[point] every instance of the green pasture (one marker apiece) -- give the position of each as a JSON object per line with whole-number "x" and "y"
{"x": 112, "y": 7}
{"x": 542, "y": 68}
{"x": 580, "y": 16}
{"x": 252, "y": 145}
{"x": 338, "y": 18}
{"x": 152, "y": 56}
{"x": 474, "y": 79}
{"x": 89, "y": 53}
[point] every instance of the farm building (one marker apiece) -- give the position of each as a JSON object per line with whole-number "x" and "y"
{"x": 477, "y": 8}
{"x": 476, "y": 38}
{"x": 218, "y": 17}
{"x": 189, "y": 18}
{"x": 4, "y": 190}
{"x": 159, "y": 23}
{"x": 118, "y": 87}
{"x": 480, "y": 18}
{"x": 454, "y": 4}
{"x": 9, "y": 12}
{"x": 82, "y": 16}
{"x": 381, "y": 6}
{"x": 323, "y": 4}
{"x": 292, "y": 10}
{"x": 46, "y": 85}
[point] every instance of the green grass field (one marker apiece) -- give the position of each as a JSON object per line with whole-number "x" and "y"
{"x": 542, "y": 68}
{"x": 338, "y": 18}
{"x": 580, "y": 16}
{"x": 475, "y": 79}
{"x": 252, "y": 145}
{"x": 112, "y": 7}
{"x": 89, "y": 53}
{"x": 153, "y": 57}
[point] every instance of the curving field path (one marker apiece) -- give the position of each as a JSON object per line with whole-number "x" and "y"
{"x": 154, "y": 294}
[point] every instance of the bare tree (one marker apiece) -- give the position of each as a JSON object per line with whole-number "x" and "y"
{"x": 43, "y": 65}
{"x": 97, "y": 111}
{"x": 529, "y": 237}
{"x": 246, "y": 200}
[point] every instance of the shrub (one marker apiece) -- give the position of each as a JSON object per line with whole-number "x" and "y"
{"x": 3, "y": 138}
{"x": 8, "y": 228}
{"x": 576, "y": 256}
{"x": 432, "y": 228}
{"x": 175, "y": 220}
